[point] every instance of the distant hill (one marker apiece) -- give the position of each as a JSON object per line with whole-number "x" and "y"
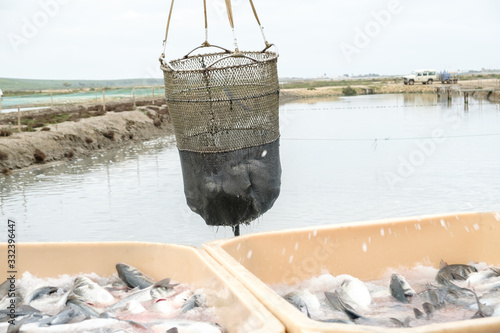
{"x": 9, "y": 84}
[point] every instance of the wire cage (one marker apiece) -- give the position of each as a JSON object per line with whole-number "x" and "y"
{"x": 223, "y": 102}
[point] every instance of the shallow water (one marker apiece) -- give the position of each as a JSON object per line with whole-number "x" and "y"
{"x": 348, "y": 159}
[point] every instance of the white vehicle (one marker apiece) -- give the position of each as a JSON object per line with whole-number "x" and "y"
{"x": 426, "y": 76}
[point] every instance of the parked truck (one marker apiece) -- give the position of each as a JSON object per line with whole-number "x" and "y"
{"x": 426, "y": 76}
{"x": 447, "y": 78}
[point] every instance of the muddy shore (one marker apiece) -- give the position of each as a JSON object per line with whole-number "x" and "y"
{"x": 88, "y": 129}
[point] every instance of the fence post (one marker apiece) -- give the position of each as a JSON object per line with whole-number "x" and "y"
{"x": 103, "y": 100}
{"x": 19, "y": 118}
{"x": 51, "y": 99}
{"x": 0, "y": 103}
{"x": 133, "y": 96}
{"x": 153, "y": 96}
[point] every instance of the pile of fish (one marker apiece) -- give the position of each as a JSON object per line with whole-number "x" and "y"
{"x": 129, "y": 302}
{"x": 454, "y": 292}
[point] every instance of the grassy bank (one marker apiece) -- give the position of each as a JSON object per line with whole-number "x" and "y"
{"x": 19, "y": 86}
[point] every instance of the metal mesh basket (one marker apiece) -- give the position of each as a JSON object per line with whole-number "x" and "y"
{"x": 223, "y": 101}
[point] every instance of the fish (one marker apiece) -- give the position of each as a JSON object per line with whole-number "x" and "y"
{"x": 355, "y": 292}
{"x": 133, "y": 277}
{"x": 303, "y": 300}
{"x": 161, "y": 289}
{"x": 82, "y": 307}
{"x": 338, "y": 304}
{"x": 63, "y": 317}
{"x": 401, "y": 289}
{"x": 38, "y": 293}
{"x": 196, "y": 300}
{"x": 4, "y": 288}
{"x": 89, "y": 291}
{"x": 434, "y": 295}
{"x": 478, "y": 277}
{"x": 447, "y": 273}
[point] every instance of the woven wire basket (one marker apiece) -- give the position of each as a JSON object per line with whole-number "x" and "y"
{"x": 223, "y": 101}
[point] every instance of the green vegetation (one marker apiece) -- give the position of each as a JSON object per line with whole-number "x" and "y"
{"x": 349, "y": 91}
{"x": 23, "y": 85}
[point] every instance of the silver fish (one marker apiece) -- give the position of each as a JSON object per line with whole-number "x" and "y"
{"x": 401, "y": 289}
{"x": 338, "y": 304}
{"x": 303, "y": 300}
{"x": 197, "y": 300}
{"x": 133, "y": 277}
{"x": 161, "y": 289}
{"x": 447, "y": 273}
{"x": 81, "y": 307}
{"x": 63, "y": 317}
{"x": 38, "y": 293}
{"x": 354, "y": 292}
{"x": 89, "y": 291}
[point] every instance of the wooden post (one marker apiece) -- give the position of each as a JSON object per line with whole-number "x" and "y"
{"x": 153, "y": 96}
{"x": 51, "y": 100}
{"x": 95, "y": 95}
{"x": 133, "y": 96}
{"x": 103, "y": 100}
{"x": 0, "y": 103}
{"x": 19, "y": 118}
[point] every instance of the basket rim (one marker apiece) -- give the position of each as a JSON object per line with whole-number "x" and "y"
{"x": 167, "y": 67}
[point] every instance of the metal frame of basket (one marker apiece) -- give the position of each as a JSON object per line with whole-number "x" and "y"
{"x": 223, "y": 101}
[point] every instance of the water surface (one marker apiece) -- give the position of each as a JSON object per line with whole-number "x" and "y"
{"x": 343, "y": 160}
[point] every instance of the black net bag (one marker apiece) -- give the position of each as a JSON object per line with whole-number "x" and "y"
{"x": 225, "y": 113}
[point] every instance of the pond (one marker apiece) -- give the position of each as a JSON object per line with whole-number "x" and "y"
{"x": 344, "y": 160}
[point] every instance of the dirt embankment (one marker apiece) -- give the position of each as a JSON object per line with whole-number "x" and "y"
{"x": 491, "y": 93}
{"x": 83, "y": 129}
{"x": 290, "y": 94}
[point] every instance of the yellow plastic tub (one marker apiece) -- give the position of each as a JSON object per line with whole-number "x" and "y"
{"x": 237, "y": 309}
{"x": 365, "y": 250}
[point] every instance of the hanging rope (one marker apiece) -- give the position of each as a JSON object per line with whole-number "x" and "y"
{"x": 231, "y": 23}
{"x": 260, "y": 26}
{"x": 206, "y": 43}
{"x": 166, "y": 32}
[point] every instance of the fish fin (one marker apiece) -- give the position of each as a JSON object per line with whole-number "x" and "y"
{"x": 17, "y": 325}
{"x": 137, "y": 324}
{"x": 418, "y": 313}
{"x": 397, "y": 322}
{"x": 165, "y": 283}
{"x": 428, "y": 308}
{"x": 173, "y": 330}
{"x": 340, "y": 305}
{"x": 495, "y": 270}
{"x": 307, "y": 310}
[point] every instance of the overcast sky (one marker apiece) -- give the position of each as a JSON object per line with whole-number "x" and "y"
{"x": 116, "y": 39}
